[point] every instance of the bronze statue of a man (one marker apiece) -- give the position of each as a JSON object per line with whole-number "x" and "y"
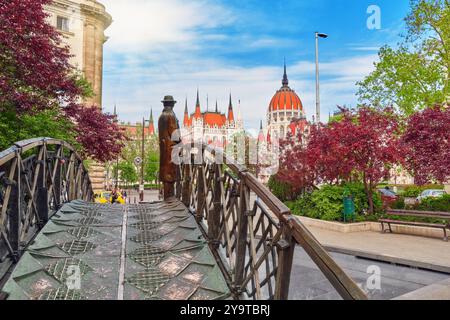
{"x": 167, "y": 125}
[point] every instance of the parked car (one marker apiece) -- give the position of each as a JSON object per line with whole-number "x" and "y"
{"x": 431, "y": 193}
{"x": 388, "y": 197}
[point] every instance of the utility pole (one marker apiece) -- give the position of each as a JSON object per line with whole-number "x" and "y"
{"x": 117, "y": 173}
{"x": 141, "y": 184}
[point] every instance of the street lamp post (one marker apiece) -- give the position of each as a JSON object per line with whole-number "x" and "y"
{"x": 141, "y": 184}
{"x": 318, "y": 35}
{"x": 117, "y": 173}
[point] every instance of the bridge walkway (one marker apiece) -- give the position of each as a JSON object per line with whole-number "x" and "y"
{"x": 118, "y": 252}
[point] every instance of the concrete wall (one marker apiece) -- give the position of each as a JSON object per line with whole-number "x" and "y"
{"x": 371, "y": 226}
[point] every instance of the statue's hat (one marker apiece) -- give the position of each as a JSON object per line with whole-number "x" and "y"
{"x": 168, "y": 99}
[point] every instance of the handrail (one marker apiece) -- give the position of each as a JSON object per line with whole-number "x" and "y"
{"x": 33, "y": 188}
{"x": 244, "y": 236}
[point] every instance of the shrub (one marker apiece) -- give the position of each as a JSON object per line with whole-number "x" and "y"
{"x": 280, "y": 189}
{"x": 327, "y": 202}
{"x": 399, "y": 203}
{"x": 435, "y": 204}
{"x": 412, "y": 192}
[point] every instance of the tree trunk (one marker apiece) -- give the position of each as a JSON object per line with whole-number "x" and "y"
{"x": 370, "y": 198}
{"x": 368, "y": 189}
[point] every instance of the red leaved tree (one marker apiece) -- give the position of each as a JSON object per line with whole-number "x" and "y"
{"x": 294, "y": 165}
{"x": 427, "y": 145}
{"x": 97, "y": 132}
{"x": 35, "y": 75}
{"x": 364, "y": 144}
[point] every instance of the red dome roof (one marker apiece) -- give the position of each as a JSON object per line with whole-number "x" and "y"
{"x": 285, "y": 98}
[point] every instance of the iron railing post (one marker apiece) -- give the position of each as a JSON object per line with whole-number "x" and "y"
{"x": 186, "y": 189}
{"x": 241, "y": 248}
{"x": 57, "y": 179}
{"x": 71, "y": 180}
{"x": 200, "y": 193}
{"x": 285, "y": 248}
{"x": 14, "y": 209}
{"x": 214, "y": 218}
{"x": 42, "y": 191}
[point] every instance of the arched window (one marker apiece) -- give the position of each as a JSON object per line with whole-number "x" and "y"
{"x": 282, "y": 132}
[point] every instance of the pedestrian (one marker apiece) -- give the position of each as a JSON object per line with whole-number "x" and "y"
{"x": 114, "y": 196}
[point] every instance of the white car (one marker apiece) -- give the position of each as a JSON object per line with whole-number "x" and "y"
{"x": 431, "y": 194}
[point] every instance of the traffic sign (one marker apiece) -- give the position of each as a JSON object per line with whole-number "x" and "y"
{"x": 137, "y": 161}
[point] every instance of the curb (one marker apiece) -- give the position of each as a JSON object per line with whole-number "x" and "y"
{"x": 389, "y": 259}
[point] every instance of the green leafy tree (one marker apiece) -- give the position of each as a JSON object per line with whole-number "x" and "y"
{"x": 407, "y": 80}
{"x": 133, "y": 149}
{"x": 428, "y": 24}
{"x": 127, "y": 172}
{"x": 151, "y": 166}
{"x": 415, "y": 75}
{"x": 47, "y": 123}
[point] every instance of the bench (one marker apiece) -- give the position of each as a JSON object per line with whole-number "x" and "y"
{"x": 415, "y": 213}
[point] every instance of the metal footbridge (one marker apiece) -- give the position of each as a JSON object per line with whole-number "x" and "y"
{"x": 223, "y": 236}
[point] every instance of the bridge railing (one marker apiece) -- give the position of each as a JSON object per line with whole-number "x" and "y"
{"x": 37, "y": 176}
{"x": 253, "y": 238}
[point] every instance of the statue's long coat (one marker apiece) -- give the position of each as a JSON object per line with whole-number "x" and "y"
{"x": 167, "y": 125}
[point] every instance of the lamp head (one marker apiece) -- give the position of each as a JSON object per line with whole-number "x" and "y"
{"x": 322, "y": 35}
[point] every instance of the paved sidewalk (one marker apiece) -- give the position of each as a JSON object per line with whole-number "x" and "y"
{"x": 428, "y": 253}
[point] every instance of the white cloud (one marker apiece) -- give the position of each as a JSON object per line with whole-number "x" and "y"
{"x": 142, "y": 24}
{"x": 366, "y": 48}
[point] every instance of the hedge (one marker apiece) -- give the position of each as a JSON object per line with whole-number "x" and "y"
{"x": 327, "y": 202}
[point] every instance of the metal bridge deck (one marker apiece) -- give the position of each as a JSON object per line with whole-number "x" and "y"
{"x": 114, "y": 252}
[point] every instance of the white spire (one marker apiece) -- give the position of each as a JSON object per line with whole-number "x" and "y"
{"x": 239, "y": 116}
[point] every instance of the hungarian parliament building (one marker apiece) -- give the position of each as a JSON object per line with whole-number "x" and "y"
{"x": 285, "y": 114}
{"x": 212, "y": 127}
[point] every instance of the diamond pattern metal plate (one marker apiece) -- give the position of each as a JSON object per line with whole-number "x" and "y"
{"x": 147, "y": 256}
{"x": 82, "y": 232}
{"x": 145, "y": 225}
{"x": 91, "y": 214}
{"x": 62, "y": 269}
{"x": 149, "y": 281}
{"x": 77, "y": 247}
{"x": 88, "y": 221}
{"x": 62, "y": 293}
{"x": 146, "y": 237}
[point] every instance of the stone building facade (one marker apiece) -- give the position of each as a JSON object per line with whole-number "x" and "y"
{"x": 82, "y": 23}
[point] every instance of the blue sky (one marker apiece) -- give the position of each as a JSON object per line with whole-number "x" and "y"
{"x": 159, "y": 47}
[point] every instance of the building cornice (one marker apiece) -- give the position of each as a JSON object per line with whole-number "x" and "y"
{"x": 93, "y": 9}
{"x": 98, "y": 13}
